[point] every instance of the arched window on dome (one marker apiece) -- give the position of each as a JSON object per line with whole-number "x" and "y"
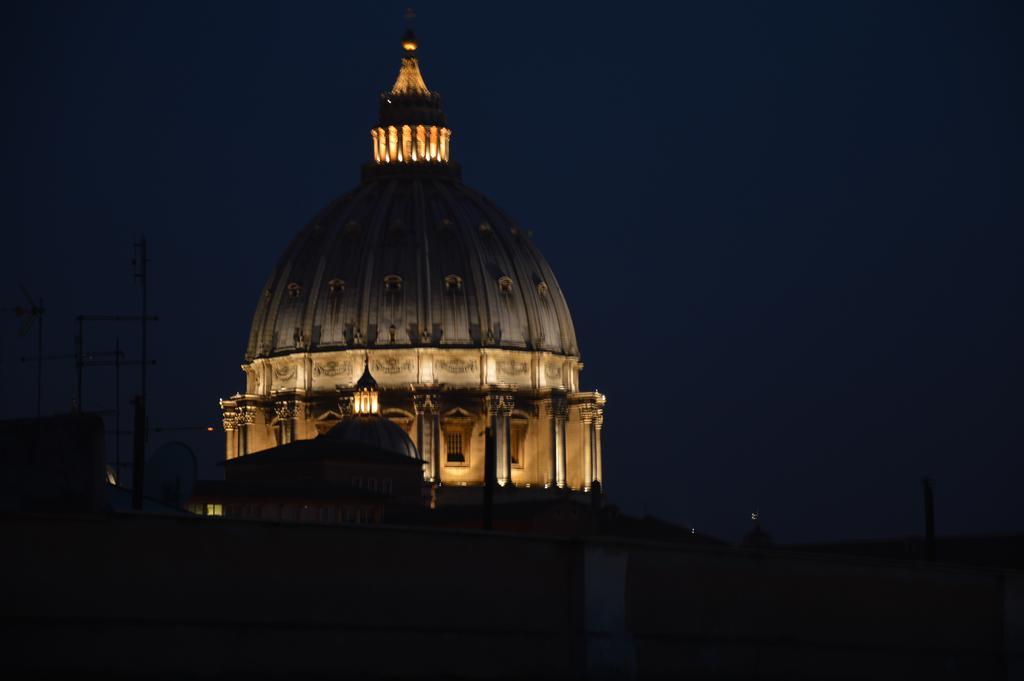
{"x": 392, "y": 284}
{"x": 294, "y": 290}
{"x": 453, "y": 283}
{"x": 336, "y": 287}
{"x": 505, "y": 284}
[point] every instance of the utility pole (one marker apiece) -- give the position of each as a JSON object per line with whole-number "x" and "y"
{"x": 33, "y": 312}
{"x": 929, "y": 519}
{"x": 141, "y": 262}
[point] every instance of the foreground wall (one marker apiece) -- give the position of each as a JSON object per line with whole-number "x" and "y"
{"x": 145, "y": 595}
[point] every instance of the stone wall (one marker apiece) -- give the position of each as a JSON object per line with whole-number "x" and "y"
{"x": 148, "y": 595}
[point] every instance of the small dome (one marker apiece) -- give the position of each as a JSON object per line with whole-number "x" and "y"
{"x": 375, "y": 431}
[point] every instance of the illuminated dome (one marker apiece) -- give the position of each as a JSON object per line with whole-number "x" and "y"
{"x": 425, "y": 281}
{"x": 412, "y": 256}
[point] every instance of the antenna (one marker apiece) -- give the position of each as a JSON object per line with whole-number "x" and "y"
{"x": 929, "y": 519}
{"x": 141, "y": 262}
{"x": 31, "y": 313}
{"x": 410, "y": 17}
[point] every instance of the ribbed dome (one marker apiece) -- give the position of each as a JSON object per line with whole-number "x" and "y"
{"x": 411, "y": 257}
{"x": 375, "y": 431}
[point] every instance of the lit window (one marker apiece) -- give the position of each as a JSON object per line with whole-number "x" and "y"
{"x": 453, "y": 447}
{"x": 214, "y": 509}
{"x": 518, "y": 442}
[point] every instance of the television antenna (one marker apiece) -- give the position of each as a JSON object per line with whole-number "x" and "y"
{"x": 32, "y": 312}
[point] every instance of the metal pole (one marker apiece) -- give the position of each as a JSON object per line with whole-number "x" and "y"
{"x": 929, "y": 520}
{"x": 490, "y": 475}
{"x": 117, "y": 408}
{"x": 79, "y": 363}
{"x": 39, "y": 367}
{"x": 144, "y": 321}
{"x": 138, "y": 460}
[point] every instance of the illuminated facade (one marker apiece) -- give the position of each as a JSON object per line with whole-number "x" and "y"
{"x": 457, "y": 315}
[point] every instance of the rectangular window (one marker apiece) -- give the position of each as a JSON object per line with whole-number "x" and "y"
{"x": 518, "y": 443}
{"x": 371, "y": 484}
{"x": 357, "y": 482}
{"x": 386, "y": 486}
{"x": 214, "y": 509}
{"x": 453, "y": 446}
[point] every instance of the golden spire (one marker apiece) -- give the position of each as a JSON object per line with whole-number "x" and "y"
{"x": 409, "y": 81}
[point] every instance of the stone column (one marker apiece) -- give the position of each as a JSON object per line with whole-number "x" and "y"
{"x": 587, "y": 419}
{"x": 435, "y": 463}
{"x": 425, "y": 405}
{"x": 598, "y": 465}
{"x": 285, "y": 411}
{"x": 499, "y": 409}
{"x": 230, "y": 418}
{"x": 246, "y": 417}
{"x": 558, "y": 409}
{"x": 299, "y": 412}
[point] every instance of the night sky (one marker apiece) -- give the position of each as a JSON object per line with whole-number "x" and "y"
{"x": 790, "y": 234}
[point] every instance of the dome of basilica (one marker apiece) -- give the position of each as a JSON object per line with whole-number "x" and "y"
{"x": 432, "y": 290}
{"x": 411, "y": 257}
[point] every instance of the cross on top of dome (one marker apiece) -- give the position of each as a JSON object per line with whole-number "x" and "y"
{"x": 410, "y": 80}
{"x": 412, "y": 128}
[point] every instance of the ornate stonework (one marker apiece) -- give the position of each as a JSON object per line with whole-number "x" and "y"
{"x": 332, "y": 368}
{"x": 457, "y": 366}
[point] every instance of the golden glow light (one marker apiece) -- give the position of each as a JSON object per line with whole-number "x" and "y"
{"x": 365, "y": 402}
{"x": 408, "y": 144}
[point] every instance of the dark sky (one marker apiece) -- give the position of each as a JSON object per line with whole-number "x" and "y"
{"x": 790, "y": 233}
